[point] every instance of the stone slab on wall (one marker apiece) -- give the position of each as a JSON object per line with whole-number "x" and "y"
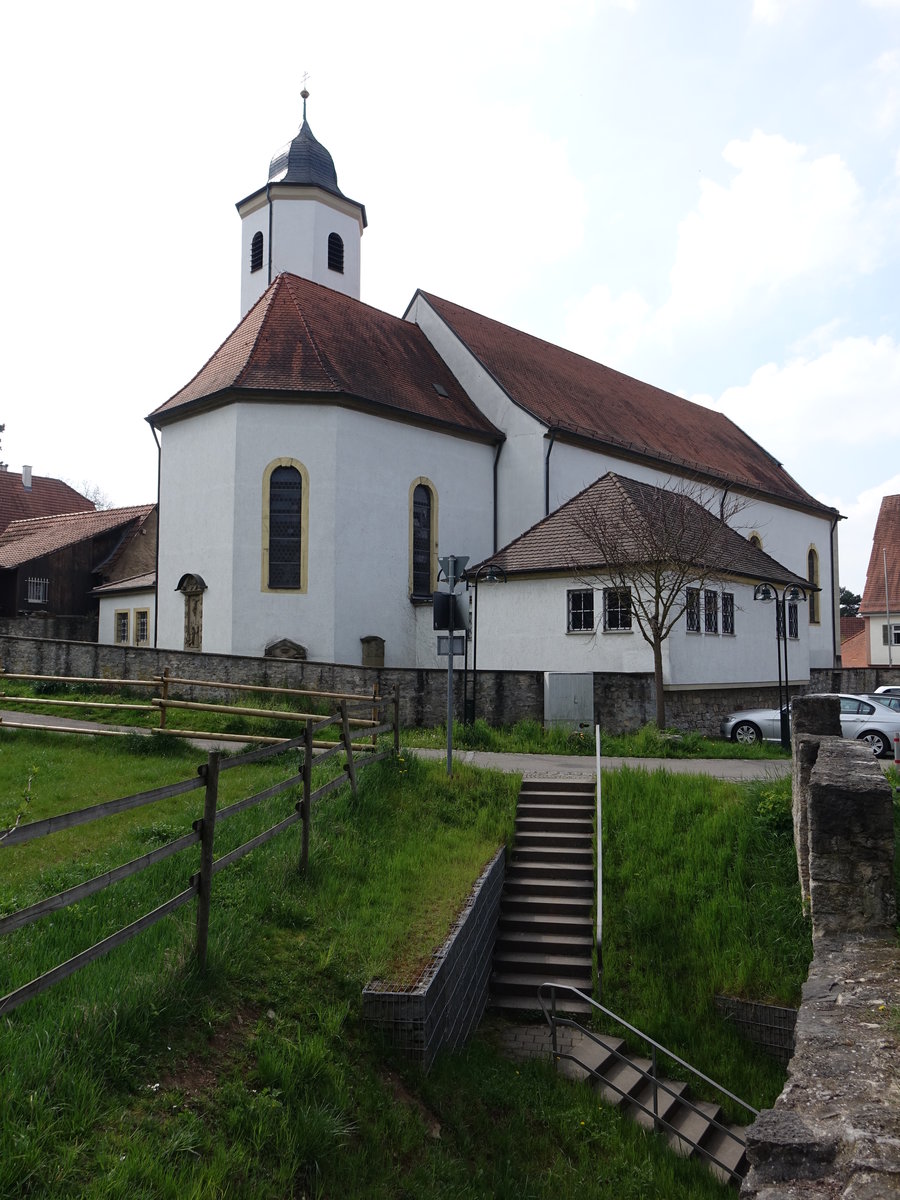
{"x": 443, "y": 1009}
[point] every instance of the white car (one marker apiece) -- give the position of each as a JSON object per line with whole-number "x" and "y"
{"x": 888, "y": 689}
{"x": 867, "y": 720}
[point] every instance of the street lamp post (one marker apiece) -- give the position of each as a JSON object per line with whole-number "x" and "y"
{"x": 492, "y": 574}
{"x": 789, "y": 594}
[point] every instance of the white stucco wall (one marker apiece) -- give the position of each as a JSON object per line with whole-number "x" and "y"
{"x": 881, "y": 655}
{"x": 130, "y": 602}
{"x": 523, "y": 623}
{"x": 360, "y": 471}
{"x": 302, "y": 219}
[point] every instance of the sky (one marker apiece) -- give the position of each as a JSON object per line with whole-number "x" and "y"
{"x": 702, "y": 194}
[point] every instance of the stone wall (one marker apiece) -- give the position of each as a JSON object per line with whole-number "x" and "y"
{"x": 622, "y": 702}
{"x": 443, "y": 1008}
{"x": 835, "y": 1129}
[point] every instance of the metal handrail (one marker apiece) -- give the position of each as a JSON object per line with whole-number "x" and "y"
{"x": 553, "y": 1020}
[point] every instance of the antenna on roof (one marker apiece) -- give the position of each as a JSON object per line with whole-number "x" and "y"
{"x": 304, "y": 94}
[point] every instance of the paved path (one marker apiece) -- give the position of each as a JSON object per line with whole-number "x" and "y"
{"x": 576, "y": 766}
{"x": 530, "y": 766}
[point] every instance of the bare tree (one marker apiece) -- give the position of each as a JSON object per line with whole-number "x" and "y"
{"x": 93, "y": 492}
{"x": 658, "y": 548}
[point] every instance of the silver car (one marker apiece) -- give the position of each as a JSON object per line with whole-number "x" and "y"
{"x": 867, "y": 720}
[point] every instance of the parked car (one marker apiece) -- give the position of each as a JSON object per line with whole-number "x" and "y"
{"x": 887, "y": 698}
{"x": 866, "y": 720}
{"x": 887, "y": 689}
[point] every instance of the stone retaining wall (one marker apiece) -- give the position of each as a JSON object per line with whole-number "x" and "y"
{"x": 835, "y": 1128}
{"x": 444, "y": 1007}
{"x": 622, "y": 702}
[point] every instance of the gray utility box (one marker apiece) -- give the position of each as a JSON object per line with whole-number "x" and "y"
{"x": 568, "y": 700}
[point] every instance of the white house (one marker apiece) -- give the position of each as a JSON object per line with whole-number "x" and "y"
{"x": 327, "y": 453}
{"x": 880, "y": 606}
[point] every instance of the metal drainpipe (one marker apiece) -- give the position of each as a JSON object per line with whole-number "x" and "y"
{"x": 835, "y": 617}
{"x": 496, "y": 466}
{"x": 158, "y": 478}
{"x": 269, "y": 202}
{"x": 552, "y": 439}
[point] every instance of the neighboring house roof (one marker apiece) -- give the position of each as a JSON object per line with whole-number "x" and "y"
{"x": 579, "y": 398}
{"x": 23, "y": 541}
{"x": 45, "y": 498}
{"x": 885, "y": 550}
{"x": 855, "y": 650}
{"x": 629, "y": 511}
{"x": 850, "y": 627}
{"x": 302, "y": 339}
{"x": 137, "y": 583}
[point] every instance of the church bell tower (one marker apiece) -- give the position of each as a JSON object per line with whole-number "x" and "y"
{"x": 300, "y": 222}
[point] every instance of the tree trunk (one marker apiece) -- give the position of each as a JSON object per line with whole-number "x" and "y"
{"x": 658, "y": 681}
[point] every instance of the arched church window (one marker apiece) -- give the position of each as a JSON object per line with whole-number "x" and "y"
{"x": 812, "y": 574}
{"x": 422, "y": 541}
{"x": 335, "y": 253}
{"x": 256, "y": 252}
{"x": 285, "y": 506}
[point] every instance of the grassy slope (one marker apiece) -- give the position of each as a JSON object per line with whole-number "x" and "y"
{"x": 137, "y": 1078}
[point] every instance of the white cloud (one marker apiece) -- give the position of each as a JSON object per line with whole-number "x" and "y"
{"x": 771, "y": 12}
{"x": 885, "y": 87}
{"x": 610, "y": 326}
{"x": 782, "y": 216}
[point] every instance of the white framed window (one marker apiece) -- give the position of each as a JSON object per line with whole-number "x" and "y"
{"x": 890, "y": 635}
{"x": 121, "y": 624}
{"x": 692, "y": 609}
{"x": 141, "y": 626}
{"x": 710, "y": 611}
{"x": 617, "y": 610}
{"x": 37, "y": 591}
{"x": 728, "y": 613}
{"x": 580, "y": 609}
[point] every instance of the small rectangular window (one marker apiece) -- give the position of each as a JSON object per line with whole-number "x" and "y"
{"x": 793, "y": 621}
{"x": 616, "y": 609}
{"x": 710, "y": 611}
{"x": 580, "y": 612}
{"x": 141, "y": 626}
{"x": 692, "y": 610}
{"x": 890, "y": 634}
{"x": 121, "y": 626}
{"x": 728, "y": 612}
{"x": 37, "y": 591}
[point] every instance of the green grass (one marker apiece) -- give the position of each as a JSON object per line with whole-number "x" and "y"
{"x": 139, "y": 1077}
{"x": 530, "y": 737}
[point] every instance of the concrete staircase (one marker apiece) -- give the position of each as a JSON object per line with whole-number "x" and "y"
{"x": 693, "y": 1128}
{"x": 546, "y": 911}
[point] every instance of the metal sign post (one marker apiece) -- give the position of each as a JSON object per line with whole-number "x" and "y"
{"x": 453, "y": 566}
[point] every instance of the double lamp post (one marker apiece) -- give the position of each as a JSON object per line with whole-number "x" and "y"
{"x": 790, "y": 594}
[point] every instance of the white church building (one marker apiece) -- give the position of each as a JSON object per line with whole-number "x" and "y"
{"x": 319, "y": 463}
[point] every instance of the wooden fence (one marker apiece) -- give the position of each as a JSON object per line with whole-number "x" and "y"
{"x": 163, "y": 703}
{"x": 202, "y": 834}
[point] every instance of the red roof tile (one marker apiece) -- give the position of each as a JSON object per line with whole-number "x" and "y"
{"x": 25, "y": 540}
{"x": 885, "y": 548}
{"x": 629, "y": 511}
{"x": 855, "y": 650}
{"x": 46, "y": 497}
{"x": 585, "y": 399}
{"x": 303, "y": 339}
{"x": 850, "y": 627}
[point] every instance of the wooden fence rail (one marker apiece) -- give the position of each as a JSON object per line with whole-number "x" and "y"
{"x": 162, "y": 704}
{"x": 200, "y": 883}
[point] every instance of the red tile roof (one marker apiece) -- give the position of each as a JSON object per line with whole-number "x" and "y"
{"x": 25, "y": 540}
{"x": 630, "y": 512}
{"x": 302, "y": 339}
{"x": 850, "y": 627}
{"x": 584, "y": 399}
{"x": 885, "y": 547}
{"x": 46, "y": 497}
{"x": 855, "y": 650}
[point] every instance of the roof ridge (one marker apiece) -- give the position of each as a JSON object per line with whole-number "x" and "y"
{"x": 321, "y": 358}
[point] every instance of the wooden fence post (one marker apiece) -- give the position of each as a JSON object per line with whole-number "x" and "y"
{"x": 376, "y": 713}
{"x": 165, "y": 695}
{"x": 210, "y": 772}
{"x": 306, "y": 802}
{"x": 397, "y": 718}
{"x": 345, "y": 726}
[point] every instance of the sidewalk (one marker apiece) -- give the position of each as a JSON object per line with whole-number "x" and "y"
{"x": 576, "y": 766}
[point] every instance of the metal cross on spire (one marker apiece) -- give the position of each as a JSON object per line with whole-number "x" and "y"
{"x": 304, "y": 93}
